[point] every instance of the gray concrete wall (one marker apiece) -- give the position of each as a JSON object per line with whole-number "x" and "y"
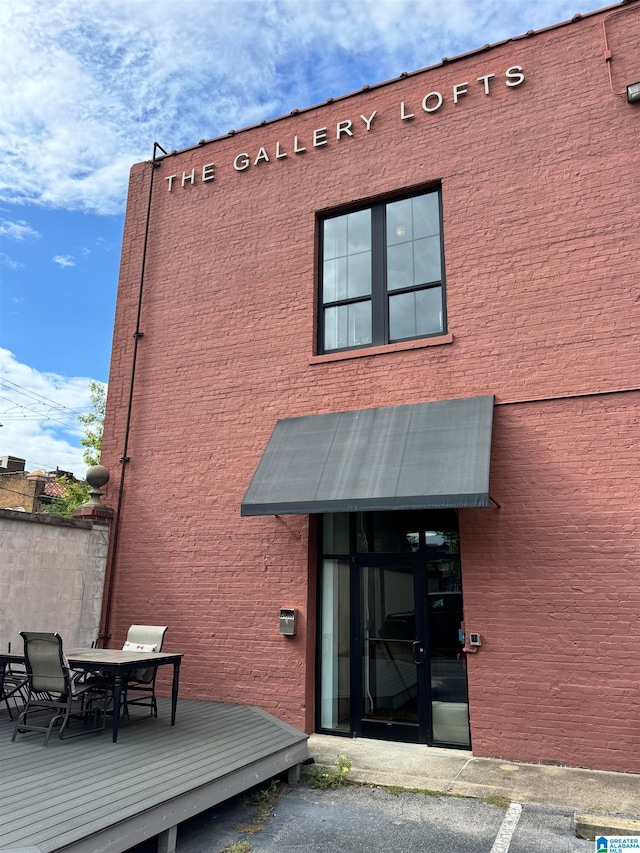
{"x": 52, "y": 574}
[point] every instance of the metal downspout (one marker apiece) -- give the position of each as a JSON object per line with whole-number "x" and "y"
{"x": 105, "y": 632}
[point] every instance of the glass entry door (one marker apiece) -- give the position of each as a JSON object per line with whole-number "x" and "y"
{"x": 393, "y": 654}
{"x": 391, "y": 662}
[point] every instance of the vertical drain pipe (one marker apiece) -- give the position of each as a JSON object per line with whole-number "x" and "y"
{"x": 105, "y": 633}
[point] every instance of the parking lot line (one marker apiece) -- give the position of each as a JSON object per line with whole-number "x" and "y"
{"x": 505, "y": 833}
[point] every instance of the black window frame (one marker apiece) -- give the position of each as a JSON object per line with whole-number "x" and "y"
{"x": 379, "y": 296}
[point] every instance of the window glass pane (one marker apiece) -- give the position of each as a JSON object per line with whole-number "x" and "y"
{"x": 389, "y": 671}
{"x": 359, "y": 231}
{"x": 400, "y": 266}
{"x": 335, "y": 533}
{"x": 335, "y": 237}
{"x": 359, "y": 323}
{"x": 347, "y": 325}
{"x": 449, "y": 707}
{"x": 426, "y": 255}
{"x": 426, "y": 216}
{"x": 402, "y": 316}
{"x": 429, "y": 317}
{"x": 413, "y": 242}
{"x": 346, "y": 269}
{"x": 358, "y": 275}
{"x": 330, "y": 328}
{"x": 388, "y": 532}
{"x": 401, "y": 532}
{"x": 334, "y": 277}
{"x": 443, "y": 566}
{"x": 335, "y": 650}
{"x": 399, "y": 222}
{"x": 414, "y": 314}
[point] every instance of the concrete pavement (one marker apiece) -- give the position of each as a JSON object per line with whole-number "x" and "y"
{"x": 605, "y": 803}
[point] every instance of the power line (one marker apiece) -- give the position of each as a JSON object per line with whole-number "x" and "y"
{"x": 35, "y": 396}
{"x": 40, "y": 416}
{"x": 42, "y": 409}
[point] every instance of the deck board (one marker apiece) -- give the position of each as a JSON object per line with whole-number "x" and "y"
{"x": 87, "y": 793}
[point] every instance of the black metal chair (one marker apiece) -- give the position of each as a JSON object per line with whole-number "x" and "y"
{"x": 140, "y": 686}
{"x": 14, "y": 688}
{"x": 55, "y": 693}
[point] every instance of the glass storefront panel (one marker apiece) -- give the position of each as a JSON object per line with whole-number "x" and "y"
{"x": 402, "y": 532}
{"x": 335, "y": 646}
{"x": 335, "y": 533}
{"x": 449, "y": 704}
{"x": 387, "y": 532}
{"x": 391, "y": 659}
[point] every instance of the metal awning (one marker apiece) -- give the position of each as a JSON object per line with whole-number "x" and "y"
{"x": 423, "y": 455}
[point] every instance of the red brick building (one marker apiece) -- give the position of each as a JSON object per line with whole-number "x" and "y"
{"x": 431, "y": 287}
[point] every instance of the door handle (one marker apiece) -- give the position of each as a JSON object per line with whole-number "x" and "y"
{"x": 418, "y": 652}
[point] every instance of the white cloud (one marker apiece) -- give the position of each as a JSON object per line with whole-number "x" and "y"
{"x": 89, "y": 85}
{"x": 64, "y": 260}
{"x": 19, "y": 230}
{"x": 38, "y": 413}
{"x": 6, "y": 261}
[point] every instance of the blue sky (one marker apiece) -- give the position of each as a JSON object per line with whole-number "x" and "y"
{"x": 89, "y": 85}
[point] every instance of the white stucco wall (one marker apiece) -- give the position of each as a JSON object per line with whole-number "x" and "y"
{"x": 51, "y": 577}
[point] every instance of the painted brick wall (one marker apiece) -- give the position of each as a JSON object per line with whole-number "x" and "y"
{"x": 552, "y": 586}
{"x": 540, "y": 196}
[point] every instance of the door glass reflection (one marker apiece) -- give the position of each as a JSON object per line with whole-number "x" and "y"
{"x": 390, "y": 682}
{"x": 449, "y": 702}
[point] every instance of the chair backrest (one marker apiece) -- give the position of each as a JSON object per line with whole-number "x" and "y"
{"x": 47, "y": 669}
{"x": 146, "y": 635}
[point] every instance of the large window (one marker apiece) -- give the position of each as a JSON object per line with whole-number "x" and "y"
{"x": 382, "y": 274}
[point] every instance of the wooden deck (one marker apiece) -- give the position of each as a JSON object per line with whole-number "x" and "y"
{"x": 88, "y": 794}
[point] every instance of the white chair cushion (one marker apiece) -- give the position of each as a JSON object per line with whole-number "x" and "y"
{"x": 139, "y": 647}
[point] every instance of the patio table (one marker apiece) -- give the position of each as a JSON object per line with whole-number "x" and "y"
{"x": 117, "y": 662}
